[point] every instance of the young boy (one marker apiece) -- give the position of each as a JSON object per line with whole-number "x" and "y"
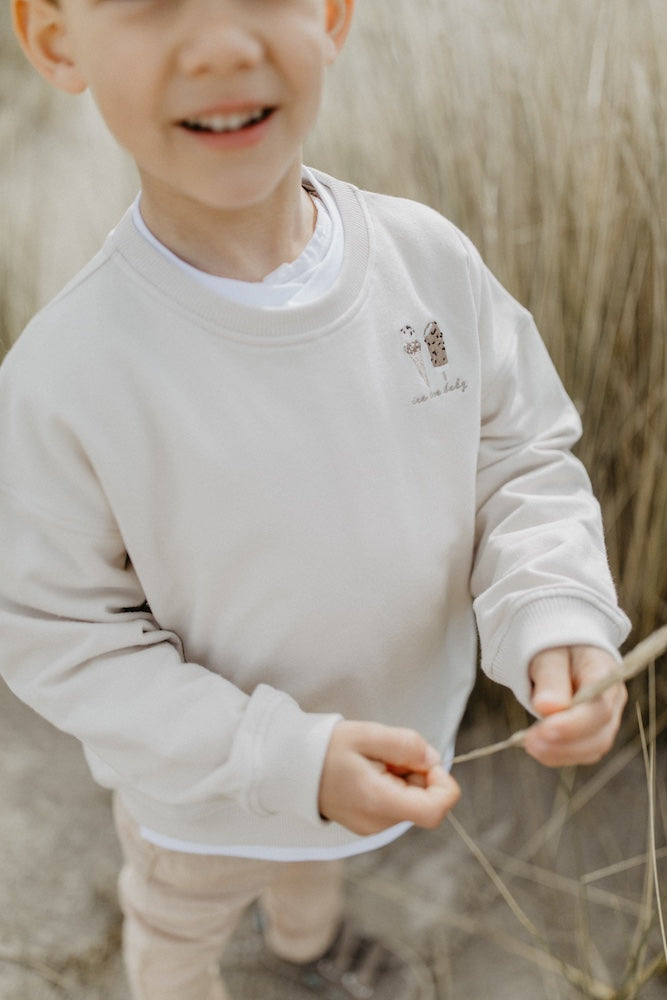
{"x": 257, "y": 462}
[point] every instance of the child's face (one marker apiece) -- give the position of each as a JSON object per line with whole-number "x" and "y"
{"x": 212, "y": 98}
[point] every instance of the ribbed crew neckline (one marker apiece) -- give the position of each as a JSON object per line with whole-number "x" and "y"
{"x": 147, "y": 265}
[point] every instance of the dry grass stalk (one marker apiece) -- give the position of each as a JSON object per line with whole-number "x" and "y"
{"x": 641, "y": 968}
{"x": 474, "y": 925}
{"x": 587, "y": 984}
{"x": 40, "y": 969}
{"x": 622, "y": 866}
{"x": 645, "y": 653}
{"x": 569, "y": 886}
{"x": 637, "y": 660}
{"x": 595, "y": 785}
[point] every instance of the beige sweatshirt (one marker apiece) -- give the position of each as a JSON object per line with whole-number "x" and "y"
{"x": 224, "y": 528}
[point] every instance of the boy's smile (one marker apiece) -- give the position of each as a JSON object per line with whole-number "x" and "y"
{"x": 212, "y": 98}
{"x": 220, "y": 122}
{"x": 236, "y": 128}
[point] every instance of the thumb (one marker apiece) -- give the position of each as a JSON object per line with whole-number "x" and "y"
{"x": 550, "y": 672}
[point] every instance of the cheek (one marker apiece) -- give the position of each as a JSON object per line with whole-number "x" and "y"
{"x": 122, "y": 105}
{"x": 120, "y": 86}
{"x": 311, "y": 83}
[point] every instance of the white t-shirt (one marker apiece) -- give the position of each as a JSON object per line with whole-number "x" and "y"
{"x": 303, "y": 280}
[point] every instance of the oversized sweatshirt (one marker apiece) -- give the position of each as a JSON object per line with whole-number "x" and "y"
{"x": 222, "y": 528}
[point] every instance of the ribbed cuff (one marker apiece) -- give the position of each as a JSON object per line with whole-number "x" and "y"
{"x": 546, "y": 623}
{"x": 287, "y": 766}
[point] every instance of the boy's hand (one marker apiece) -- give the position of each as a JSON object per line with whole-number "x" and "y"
{"x": 584, "y": 733}
{"x": 375, "y": 776}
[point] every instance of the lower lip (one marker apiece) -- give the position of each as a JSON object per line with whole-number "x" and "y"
{"x": 242, "y": 138}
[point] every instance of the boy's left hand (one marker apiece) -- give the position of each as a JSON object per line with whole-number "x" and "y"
{"x": 584, "y": 733}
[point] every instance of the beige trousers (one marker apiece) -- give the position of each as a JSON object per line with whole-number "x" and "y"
{"x": 180, "y": 909}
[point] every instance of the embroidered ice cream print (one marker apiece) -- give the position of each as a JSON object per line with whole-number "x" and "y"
{"x": 435, "y": 342}
{"x": 413, "y": 348}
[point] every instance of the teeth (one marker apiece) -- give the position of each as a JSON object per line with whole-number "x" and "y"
{"x": 225, "y": 123}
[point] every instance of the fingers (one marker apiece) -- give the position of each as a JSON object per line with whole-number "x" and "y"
{"x": 584, "y": 733}
{"x": 422, "y": 799}
{"x": 582, "y": 736}
{"x": 415, "y": 787}
{"x": 402, "y": 750}
{"x": 367, "y": 794}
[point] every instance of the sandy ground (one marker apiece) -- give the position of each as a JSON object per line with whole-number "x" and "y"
{"x": 60, "y": 925}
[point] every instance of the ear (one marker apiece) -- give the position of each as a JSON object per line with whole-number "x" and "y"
{"x": 41, "y": 28}
{"x": 339, "y": 19}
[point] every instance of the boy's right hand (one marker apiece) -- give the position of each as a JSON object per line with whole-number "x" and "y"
{"x": 375, "y": 776}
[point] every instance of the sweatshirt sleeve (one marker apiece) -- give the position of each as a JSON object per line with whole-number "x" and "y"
{"x": 540, "y": 576}
{"x": 81, "y": 647}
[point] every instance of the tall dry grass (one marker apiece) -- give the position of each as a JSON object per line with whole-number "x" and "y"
{"x": 540, "y": 127}
{"x": 63, "y": 184}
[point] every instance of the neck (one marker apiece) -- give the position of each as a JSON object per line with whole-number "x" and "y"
{"x": 246, "y": 244}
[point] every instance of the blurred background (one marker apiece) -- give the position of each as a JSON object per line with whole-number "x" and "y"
{"x": 540, "y": 128}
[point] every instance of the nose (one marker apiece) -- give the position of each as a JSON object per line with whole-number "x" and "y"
{"x": 219, "y": 39}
